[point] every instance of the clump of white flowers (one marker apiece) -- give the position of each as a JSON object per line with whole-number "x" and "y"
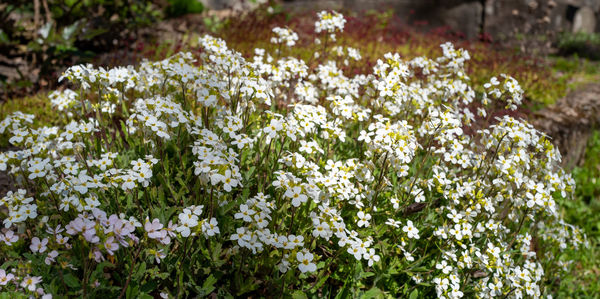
{"x": 216, "y": 164}
{"x": 284, "y": 36}
{"x": 330, "y": 22}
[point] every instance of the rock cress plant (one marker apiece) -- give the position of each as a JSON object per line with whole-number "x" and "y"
{"x": 270, "y": 176}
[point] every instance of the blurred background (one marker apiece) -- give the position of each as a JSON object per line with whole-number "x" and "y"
{"x": 39, "y": 38}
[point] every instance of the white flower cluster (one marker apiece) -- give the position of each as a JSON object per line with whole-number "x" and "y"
{"x": 306, "y": 163}
{"x": 510, "y": 90}
{"x": 284, "y": 36}
{"x": 63, "y": 100}
{"x": 330, "y": 22}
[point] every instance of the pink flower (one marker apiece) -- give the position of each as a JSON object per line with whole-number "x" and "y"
{"x": 110, "y": 245}
{"x": 51, "y": 257}
{"x": 9, "y": 237}
{"x": 37, "y": 245}
{"x": 5, "y": 278}
{"x": 98, "y": 257}
{"x": 154, "y": 229}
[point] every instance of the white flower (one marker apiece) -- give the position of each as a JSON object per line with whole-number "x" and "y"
{"x": 296, "y": 195}
{"x": 330, "y": 22}
{"x": 363, "y": 219}
{"x": 51, "y": 257}
{"x": 229, "y": 181}
{"x": 296, "y": 241}
{"x": 211, "y": 228}
{"x": 444, "y": 267}
{"x": 273, "y": 127}
{"x": 9, "y": 237}
{"x": 5, "y": 278}
{"x": 495, "y": 288}
{"x": 241, "y": 236}
{"x": 284, "y": 35}
{"x": 245, "y": 213}
{"x": 410, "y": 230}
{"x": 356, "y": 251}
{"x": 454, "y": 216}
{"x": 184, "y": 230}
{"x": 158, "y": 255}
{"x": 306, "y": 264}
{"x": 322, "y": 230}
{"x": 154, "y": 229}
{"x": 37, "y": 245}
{"x": 128, "y": 182}
{"x": 392, "y": 222}
{"x": 30, "y": 282}
{"x": 188, "y": 217}
{"x": 371, "y": 257}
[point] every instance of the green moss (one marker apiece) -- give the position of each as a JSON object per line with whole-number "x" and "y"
{"x": 38, "y": 105}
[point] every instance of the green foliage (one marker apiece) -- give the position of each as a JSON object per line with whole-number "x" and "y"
{"x": 585, "y": 212}
{"x": 181, "y": 7}
{"x": 580, "y": 44}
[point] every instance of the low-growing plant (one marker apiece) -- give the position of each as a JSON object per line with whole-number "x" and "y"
{"x": 582, "y": 282}
{"x": 272, "y": 176}
{"x": 178, "y": 8}
{"x": 580, "y": 44}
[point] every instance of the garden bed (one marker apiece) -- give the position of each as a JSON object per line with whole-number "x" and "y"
{"x": 252, "y": 185}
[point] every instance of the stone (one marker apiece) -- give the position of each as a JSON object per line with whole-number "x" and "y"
{"x": 585, "y": 20}
{"x": 570, "y": 122}
{"x": 237, "y": 5}
{"x": 465, "y": 18}
{"x": 594, "y": 4}
{"x": 559, "y": 22}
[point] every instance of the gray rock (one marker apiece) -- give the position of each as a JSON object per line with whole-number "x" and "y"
{"x": 570, "y": 122}
{"x": 465, "y": 18}
{"x": 593, "y": 4}
{"x": 238, "y": 5}
{"x": 585, "y": 20}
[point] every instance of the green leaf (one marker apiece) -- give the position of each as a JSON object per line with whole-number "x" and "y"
{"x": 149, "y": 286}
{"x": 4, "y": 38}
{"x": 247, "y": 287}
{"x": 414, "y": 294}
{"x": 250, "y": 172}
{"x": 299, "y": 295}
{"x": 374, "y": 292}
{"x": 321, "y": 281}
{"x": 140, "y": 272}
{"x": 132, "y": 292}
{"x": 366, "y": 274}
{"x": 11, "y": 295}
{"x": 345, "y": 292}
{"x": 208, "y": 286}
{"x": 100, "y": 270}
{"x": 72, "y": 281}
{"x": 90, "y": 34}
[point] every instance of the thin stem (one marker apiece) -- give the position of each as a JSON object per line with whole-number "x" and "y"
{"x": 137, "y": 253}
